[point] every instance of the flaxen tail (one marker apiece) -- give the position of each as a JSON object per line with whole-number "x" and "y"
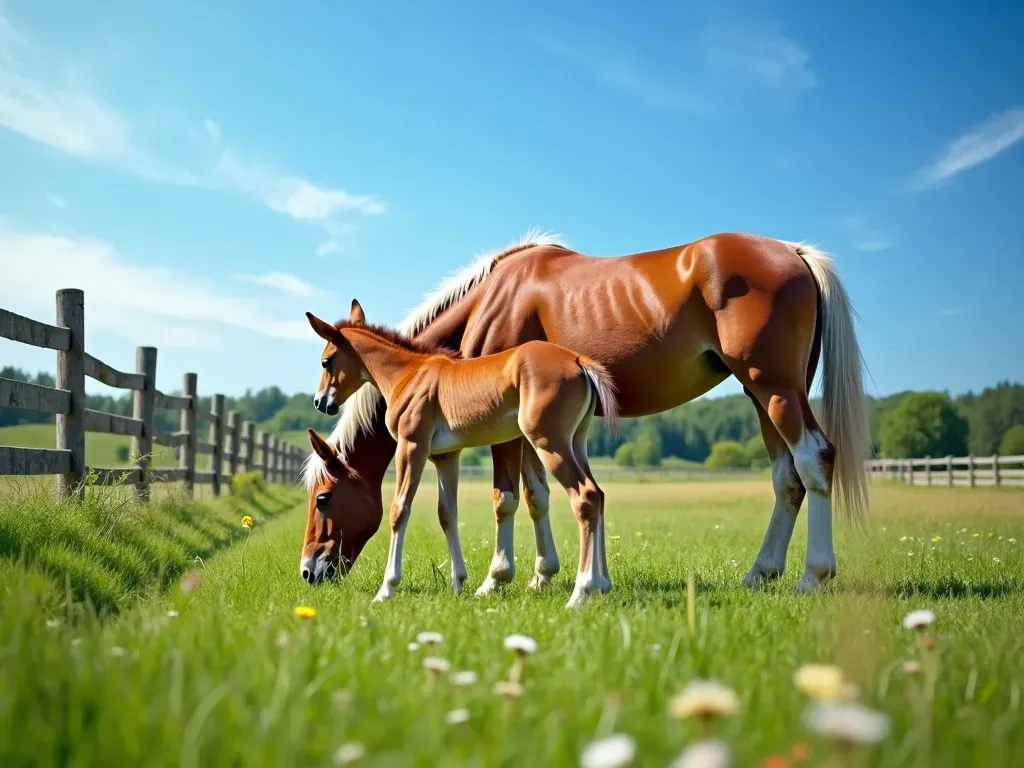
{"x": 605, "y": 388}
{"x": 844, "y": 407}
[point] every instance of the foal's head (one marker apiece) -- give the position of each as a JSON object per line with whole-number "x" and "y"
{"x": 344, "y": 513}
{"x": 343, "y": 371}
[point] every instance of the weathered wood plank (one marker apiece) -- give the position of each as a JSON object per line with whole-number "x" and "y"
{"x": 203, "y": 478}
{"x": 202, "y": 447}
{"x": 70, "y": 427}
{"x": 173, "y": 439}
{"x": 23, "y": 396}
{"x": 34, "y": 461}
{"x": 205, "y": 415}
{"x": 25, "y": 330}
{"x": 97, "y": 369}
{"x": 168, "y": 474}
{"x": 98, "y": 421}
{"x": 171, "y": 402}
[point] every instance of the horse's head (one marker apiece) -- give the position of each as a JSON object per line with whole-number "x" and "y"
{"x": 343, "y": 370}
{"x": 344, "y": 512}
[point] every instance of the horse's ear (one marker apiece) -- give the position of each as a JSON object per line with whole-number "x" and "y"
{"x": 356, "y": 315}
{"x": 320, "y": 447}
{"x": 324, "y": 330}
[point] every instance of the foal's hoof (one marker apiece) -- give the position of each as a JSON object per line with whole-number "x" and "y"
{"x": 814, "y": 579}
{"x": 489, "y": 587}
{"x": 539, "y": 581}
{"x": 606, "y": 586}
{"x": 758, "y": 576}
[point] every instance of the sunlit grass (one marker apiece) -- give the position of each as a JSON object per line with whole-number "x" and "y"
{"x": 238, "y": 676}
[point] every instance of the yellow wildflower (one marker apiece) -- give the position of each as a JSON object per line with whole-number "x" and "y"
{"x": 823, "y": 682}
{"x": 305, "y": 611}
{"x": 247, "y": 521}
{"x": 704, "y": 698}
{"x": 614, "y": 538}
{"x": 936, "y": 538}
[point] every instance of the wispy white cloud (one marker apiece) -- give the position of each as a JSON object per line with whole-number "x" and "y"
{"x": 866, "y": 238}
{"x": 70, "y": 116}
{"x": 760, "y": 52}
{"x": 328, "y": 247}
{"x": 56, "y": 200}
{"x": 281, "y": 281}
{"x": 723, "y": 53}
{"x": 981, "y": 143}
{"x": 629, "y": 78}
{"x": 870, "y": 246}
{"x": 132, "y": 300}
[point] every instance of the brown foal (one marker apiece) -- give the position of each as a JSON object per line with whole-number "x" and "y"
{"x": 439, "y": 404}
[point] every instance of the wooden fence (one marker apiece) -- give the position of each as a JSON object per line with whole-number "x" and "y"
{"x": 232, "y": 444}
{"x": 969, "y": 471}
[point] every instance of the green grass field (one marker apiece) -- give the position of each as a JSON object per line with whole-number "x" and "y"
{"x": 235, "y": 677}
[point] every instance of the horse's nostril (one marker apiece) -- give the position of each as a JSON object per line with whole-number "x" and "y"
{"x": 305, "y": 574}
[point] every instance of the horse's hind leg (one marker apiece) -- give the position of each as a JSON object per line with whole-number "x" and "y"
{"x": 535, "y": 489}
{"x": 789, "y": 494}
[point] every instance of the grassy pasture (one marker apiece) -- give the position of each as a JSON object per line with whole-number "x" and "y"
{"x": 235, "y": 677}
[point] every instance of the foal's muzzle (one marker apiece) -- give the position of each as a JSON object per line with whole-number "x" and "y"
{"x": 324, "y": 402}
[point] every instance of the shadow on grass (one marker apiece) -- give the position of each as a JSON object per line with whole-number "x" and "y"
{"x": 104, "y": 554}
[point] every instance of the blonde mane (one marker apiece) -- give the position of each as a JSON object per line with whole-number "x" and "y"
{"x": 357, "y": 413}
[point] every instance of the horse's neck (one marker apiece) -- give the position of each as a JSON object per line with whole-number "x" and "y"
{"x": 384, "y": 362}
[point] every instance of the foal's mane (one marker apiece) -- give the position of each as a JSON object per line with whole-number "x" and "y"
{"x": 358, "y": 412}
{"x": 397, "y": 338}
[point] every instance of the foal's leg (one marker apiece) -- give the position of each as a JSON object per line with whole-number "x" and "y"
{"x": 579, "y": 450}
{"x": 448, "y": 514}
{"x": 789, "y": 494}
{"x": 410, "y": 458}
{"x": 585, "y": 498}
{"x": 535, "y": 489}
{"x": 507, "y": 459}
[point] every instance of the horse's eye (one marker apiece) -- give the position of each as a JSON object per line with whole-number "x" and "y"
{"x": 323, "y": 500}
{"x": 326, "y": 362}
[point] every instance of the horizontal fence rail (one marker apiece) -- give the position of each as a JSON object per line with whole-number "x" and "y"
{"x": 232, "y": 444}
{"x": 970, "y": 471}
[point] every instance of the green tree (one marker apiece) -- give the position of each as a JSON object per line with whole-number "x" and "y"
{"x": 1012, "y": 443}
{"x": 648, "y": 446}
{"x": 471, "y": 458}
{"x": 624, "y": 455}
{"x": 727, "y": 453}
{"x": 923, "y": 424}
{"x": 757, "y": 453}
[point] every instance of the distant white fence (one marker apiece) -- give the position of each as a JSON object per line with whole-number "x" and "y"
{"x": 970, "y": 471}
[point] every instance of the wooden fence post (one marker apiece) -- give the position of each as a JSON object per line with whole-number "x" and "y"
{"x": 928, "y": 470}
{"x": 142, "y": 409}
{"x": 265, "y": 454}
{"x": 995, "y": 470}
{"x": 71, "y": 376}
{"x": 234, "y": 435}
{"x": 970, "y": 471}
{"x": 275, "y": 460}
{"x": 250, "y": 446}
{"x": 949, "y": 470}
{"x": 217, "y": 438}
{"x": 910, "y": 471}
{"x": 187, "y": 456}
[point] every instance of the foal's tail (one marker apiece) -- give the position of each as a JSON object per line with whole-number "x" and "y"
{"x": 604, "y": 387}
{"x": 844, "y": 407}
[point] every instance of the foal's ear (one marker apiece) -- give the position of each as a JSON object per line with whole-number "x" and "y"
{"x": 325, "y": 331}
{"x": 356, "y": 314}
{"x": 320, "y": 447}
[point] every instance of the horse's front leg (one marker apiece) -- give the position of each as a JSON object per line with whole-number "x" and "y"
{"x": 448, "y": 514}
{"x": 410, "y": 458}
{"x": 507, "y": 458}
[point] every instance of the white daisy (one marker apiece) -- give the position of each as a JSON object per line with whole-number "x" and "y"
{"x": 348, "y": 753}
{"x": 436, "y": 665}
{"x": 847, "y": 721}
{"x": 706, "y": 753}
{"x": 463, "y": 678}
{"x": 429, "y": 638}
{"x": 521, "y": 644}
{"x": 704, "y": 698}
{"x": 918, "y": 619}
{"x": 457, "y": 716}
{"x": 611, "y": 752}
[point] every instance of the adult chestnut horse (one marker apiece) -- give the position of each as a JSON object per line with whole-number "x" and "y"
{"x": 669, "y": 325}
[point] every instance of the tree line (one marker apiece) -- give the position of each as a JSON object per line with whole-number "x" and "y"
{"x": 720, "y": 432}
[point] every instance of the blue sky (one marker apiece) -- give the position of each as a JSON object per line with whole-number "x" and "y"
{"x": 209, "y": 171}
